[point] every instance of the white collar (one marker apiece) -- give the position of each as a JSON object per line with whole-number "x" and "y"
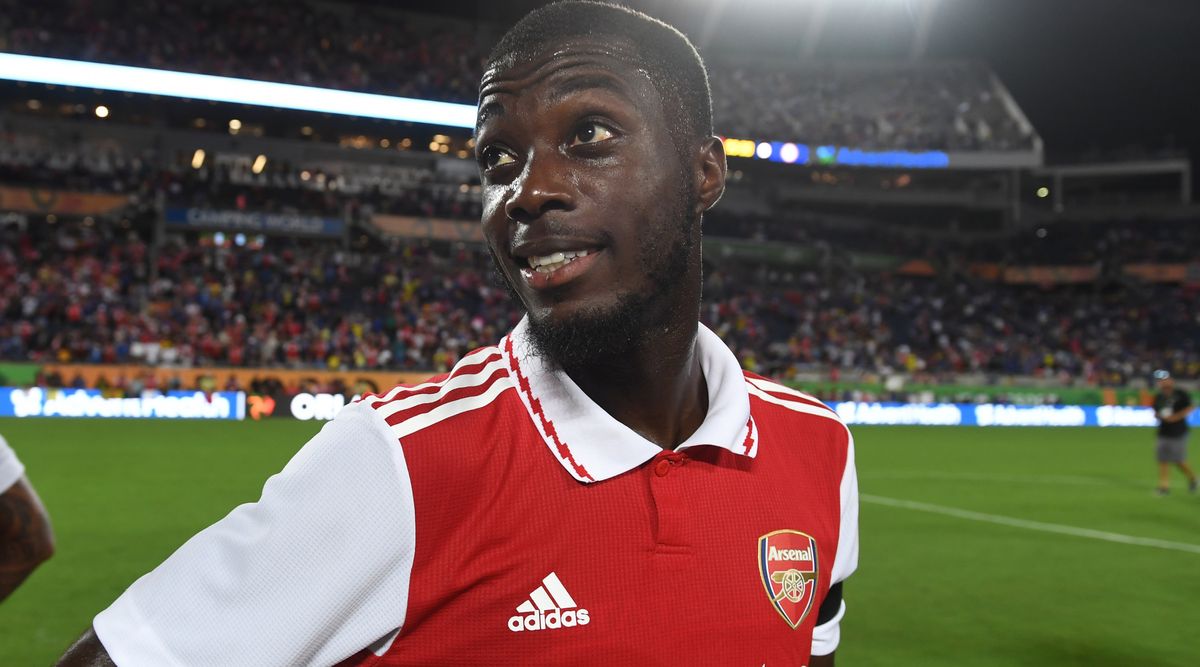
{"x": 591, "y": 444}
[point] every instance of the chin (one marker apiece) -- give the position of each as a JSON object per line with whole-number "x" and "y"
{"x": 577, "y": 334}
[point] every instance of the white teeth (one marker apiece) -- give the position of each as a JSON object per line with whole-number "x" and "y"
{"x": 554, "y": 261}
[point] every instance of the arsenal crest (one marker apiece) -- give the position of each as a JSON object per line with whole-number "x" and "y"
{"x": 787, "y": 560}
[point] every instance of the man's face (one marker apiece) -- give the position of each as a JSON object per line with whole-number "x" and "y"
{"x": 587, "y": 209}
{"x": 1166, "y": 385}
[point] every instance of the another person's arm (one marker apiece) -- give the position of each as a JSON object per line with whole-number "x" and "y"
{"x": 26, "y": 539}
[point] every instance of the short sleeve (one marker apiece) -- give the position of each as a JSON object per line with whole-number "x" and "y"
{"x": 313, "y": 572}
{"x": 827, "y": 635}
{"x": 11, "y": 468}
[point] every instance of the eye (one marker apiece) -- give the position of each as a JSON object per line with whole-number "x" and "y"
{"x": 493, "y": 157}
{"x": 591, "y": 133}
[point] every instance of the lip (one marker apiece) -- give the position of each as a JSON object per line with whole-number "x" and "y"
{"x": 577, "y": 267}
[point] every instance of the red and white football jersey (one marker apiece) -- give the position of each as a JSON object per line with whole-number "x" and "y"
{"x": 496, "y": 515}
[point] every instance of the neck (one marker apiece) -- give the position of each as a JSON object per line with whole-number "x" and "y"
{"x": 657, "y": 389}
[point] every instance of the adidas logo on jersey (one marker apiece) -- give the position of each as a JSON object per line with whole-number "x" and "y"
{"x": 549, "y": 607}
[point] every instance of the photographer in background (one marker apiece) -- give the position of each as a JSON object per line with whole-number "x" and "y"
{"x": 1172, "y": 407}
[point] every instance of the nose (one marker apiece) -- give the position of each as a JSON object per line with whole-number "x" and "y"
{"x": 542, "y": 186}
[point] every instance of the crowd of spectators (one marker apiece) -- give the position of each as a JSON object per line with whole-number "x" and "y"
{"x": 94, "y": 294}
{"x": 931, "y": 106}
{"x": 783, "y": 323}
{"x": 229, "y": 182}
{"x": 935, "y": 106}
{"x": 99, "y": 294}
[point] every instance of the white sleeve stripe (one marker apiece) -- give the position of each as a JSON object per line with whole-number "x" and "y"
{"x": 767, "y": 385}
{"x": 472, "y": 358}
{"x": 794, "y": 405}
{"x": 458, "y": 382}
{"x": 448, "y": 410}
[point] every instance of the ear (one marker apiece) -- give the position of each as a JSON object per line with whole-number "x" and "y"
{"x": 709, "y": 170}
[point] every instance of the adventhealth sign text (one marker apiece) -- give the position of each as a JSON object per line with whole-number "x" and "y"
{"x": 39, "y": 402}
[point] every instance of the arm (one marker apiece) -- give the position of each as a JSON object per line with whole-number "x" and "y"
{"x": 87, "y": 652}
{"x": 1181, "y": 415}
{"x": 821, "y": 661}
{"x": 26, "y": 539}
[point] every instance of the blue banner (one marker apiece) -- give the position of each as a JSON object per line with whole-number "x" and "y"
{"x": 991, "y": 414}
{"x": 253, "y": 222}
{"x": 39, "y": 402}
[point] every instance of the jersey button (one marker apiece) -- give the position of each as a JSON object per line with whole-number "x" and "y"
{"x": 662, "y": 467}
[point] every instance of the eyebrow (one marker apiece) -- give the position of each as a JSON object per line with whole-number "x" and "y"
{"x": 487, "y": 112}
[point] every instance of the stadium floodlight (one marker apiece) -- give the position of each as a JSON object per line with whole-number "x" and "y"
{"x": 126, "y": 79}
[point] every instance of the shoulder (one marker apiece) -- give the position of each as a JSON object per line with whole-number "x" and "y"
{"x": 475, "y": 384}
{"x": 777, "y": 402}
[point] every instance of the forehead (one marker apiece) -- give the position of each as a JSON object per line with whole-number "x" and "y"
{"x": 560, "y": 68}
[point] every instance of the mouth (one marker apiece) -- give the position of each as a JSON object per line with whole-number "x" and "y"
{"x": 557, "y": 268}
{"x": 554, "y": 261}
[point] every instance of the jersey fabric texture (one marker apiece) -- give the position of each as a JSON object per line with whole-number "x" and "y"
{"x": 496, "y": 515}
{"x": 1167, "y": 405}
{"x": 11, "y": 468}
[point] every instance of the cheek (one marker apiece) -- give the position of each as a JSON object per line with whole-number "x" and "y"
{"x": 493, "y": 218}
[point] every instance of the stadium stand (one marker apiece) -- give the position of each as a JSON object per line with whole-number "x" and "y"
{"x": 1068, "y": 301}
{"x": 82, "y": 292}
{"x": 939, "y": 106}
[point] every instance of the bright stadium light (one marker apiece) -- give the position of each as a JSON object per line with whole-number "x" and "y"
{"x": 198, "y": 158}
{"x": 1043, "y": 192}
{"x": 59, "y": 72}
{"x": 764, "y": 150}
{"x": 260, "y": 163}
{"x": 101, "y": 111}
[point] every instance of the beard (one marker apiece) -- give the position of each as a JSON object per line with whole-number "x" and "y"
{"x": 605, "y": 336}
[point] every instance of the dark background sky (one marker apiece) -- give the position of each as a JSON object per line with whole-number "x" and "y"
{"x": 1090, "y": 74}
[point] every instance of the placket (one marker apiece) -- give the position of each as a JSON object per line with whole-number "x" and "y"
{"x": 668, "y": 481}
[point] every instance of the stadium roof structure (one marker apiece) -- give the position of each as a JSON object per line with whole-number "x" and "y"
{"x": 126, "y": 79}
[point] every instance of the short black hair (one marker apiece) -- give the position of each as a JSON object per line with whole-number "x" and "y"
{"x": 666, "y": 54}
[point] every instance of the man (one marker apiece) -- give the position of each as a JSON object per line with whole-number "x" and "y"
{"x": 1172, "y": 407}
{"x": 26, "y": 539}
{"x": 604, "y": 486}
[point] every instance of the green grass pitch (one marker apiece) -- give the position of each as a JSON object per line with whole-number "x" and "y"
{"x": 945, "y": 578}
